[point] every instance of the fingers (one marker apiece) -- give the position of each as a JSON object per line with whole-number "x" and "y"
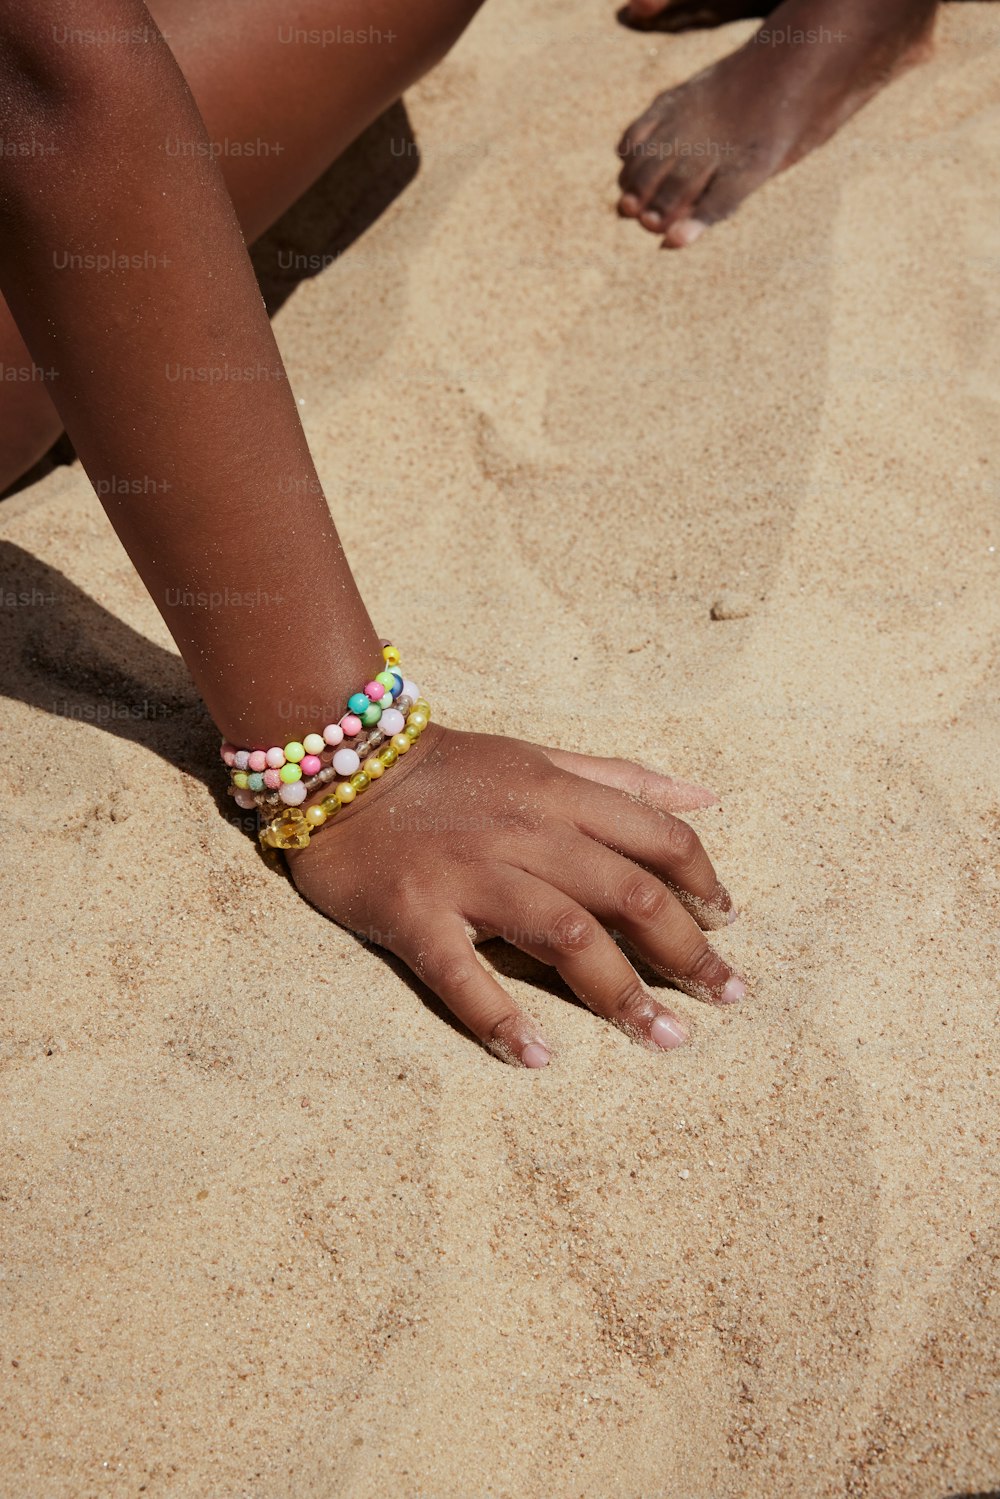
{"x": 660, "y": 842}
{"x": 442, "y": 955}
{"x": 547, "y": 924}
{"x": 637, "y": 904}
{"x": 664, "y": 792}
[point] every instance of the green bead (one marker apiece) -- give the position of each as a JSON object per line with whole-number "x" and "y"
{"x": 290, "y": 773}
{"x": 386, "y": 679}
{"x": 371, "y": 715}
{"x": 295, "y": 751}
{"x": 255, "y": 781}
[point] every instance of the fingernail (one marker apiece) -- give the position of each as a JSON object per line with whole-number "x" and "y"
{"x": 651, "y": 219}
{"x": 535, "y": 1055}
{"x": 698, "y": 795}
{"x": 629, "y": 205}
{"x": 666, "y": 1032}
{"x": 734, "y": 991}
{"x": 733, "y": 915}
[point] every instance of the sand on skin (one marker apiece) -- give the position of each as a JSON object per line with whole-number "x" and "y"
{"x": 270, "y": 1225}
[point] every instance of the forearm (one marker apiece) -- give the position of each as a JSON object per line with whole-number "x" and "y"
{"x": 128, "y": 275}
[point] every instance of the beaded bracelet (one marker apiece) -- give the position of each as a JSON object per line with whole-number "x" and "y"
{"x": 283, "y": 769}
{"x": 362, "y": 748}
{"x": 293, "y": 827}
{"x": 280, "y": 778}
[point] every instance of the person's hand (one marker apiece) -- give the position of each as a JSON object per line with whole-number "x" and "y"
{"x": 475, "y": 836}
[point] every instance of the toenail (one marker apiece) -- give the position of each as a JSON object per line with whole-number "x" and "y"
{"x": 685, "y": 232}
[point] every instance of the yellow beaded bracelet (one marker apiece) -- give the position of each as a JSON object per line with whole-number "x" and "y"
{"x": 294, "y": 826}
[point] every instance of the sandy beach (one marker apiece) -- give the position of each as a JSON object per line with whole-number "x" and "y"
{"x": 270, "y": 1224}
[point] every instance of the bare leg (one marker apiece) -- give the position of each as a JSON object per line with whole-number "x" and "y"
{"x": 299, "y": 91}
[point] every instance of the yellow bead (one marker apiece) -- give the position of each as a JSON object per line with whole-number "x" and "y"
{"x": 412, "y": 732}
{"x": 360, "y": 780}
{"x": 315, "y": 816}
{"x": 288, "y": 830}
{"x": 345, "y": 792}
{"x": 422, "y": 706}
{"x": 330, "y": 805}
{"x": 400, "y": 743}
{"x": 373, "y": 767}
{"x": 388, "y": 756}
{"x": 390, "y": 655}
{"x": 240, "y": 779}
{"x": 418, "y": 719}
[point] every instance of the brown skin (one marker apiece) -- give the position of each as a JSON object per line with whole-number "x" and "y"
{"x": 702, "y": 148}
{"x": 477, "y": 829}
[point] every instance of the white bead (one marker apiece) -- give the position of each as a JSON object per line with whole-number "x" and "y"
{"x": 292, "y": 795}
{"x": 392, "y": 722}
{"x": 346, "y": 762}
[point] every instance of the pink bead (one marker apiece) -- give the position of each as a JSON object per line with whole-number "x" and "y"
{"x": 350, "y": 725}
{"x": 410, "y": 690}
{"x": 257, "y": 761}
{"x": 346, "y": 762}
{"x": 374, "y": 690}
{"x": 242, "y": 759}
{"x": 272, "y": 780}
{"x": 310, "y": 765}
{"x": 333, "y": 734}
{"x": 228, "y": 753}
{"x": 293, "y": 794}
{"x": 392, "y": 721}
{"x": 275, "y": 757}
{"x": 244, "y": 799}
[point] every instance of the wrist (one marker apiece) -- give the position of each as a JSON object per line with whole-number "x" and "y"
{"x": 427, "y": 746}
{"x": 315, "y": 777}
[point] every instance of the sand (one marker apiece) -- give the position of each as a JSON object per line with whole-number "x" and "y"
{"x": 271, "y": 1226}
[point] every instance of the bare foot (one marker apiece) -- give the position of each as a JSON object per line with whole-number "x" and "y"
{"x": 702, "y": 148}
{"x": 690, "y": 15}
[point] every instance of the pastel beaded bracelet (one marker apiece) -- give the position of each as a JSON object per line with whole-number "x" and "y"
{"x": 293, "y": 827}
{"x": 362, "y": 748}
{"x": 283, "y": 769}
{"x": 280, "y": 778}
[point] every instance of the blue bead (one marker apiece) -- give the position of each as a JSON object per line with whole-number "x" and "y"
{"x": 255, "y": 781}
{"x": 357, "y": 703}
{"x": 399, "y": 684}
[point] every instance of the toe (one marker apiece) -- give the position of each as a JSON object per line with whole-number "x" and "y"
{"x": 641, "y": 177}
{"x": 672, "y": 198}
{"x": 647, "y": 157}
{"x": 644, "y": 10}
{"x": 683, "y": 232}
{"x": 719, "y": 199}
